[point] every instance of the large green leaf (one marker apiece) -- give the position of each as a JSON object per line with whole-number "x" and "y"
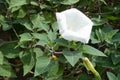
{"x": 25, "y": 37}
{"x": 9, "y": 50}
{"x": 92, "y": 51}
{"x": 111, "y": 76}
{"x": 110, "y": 34}
{"x": 38, "y": 52}
{"x": 28, "y": 25}
{"x": 3, "y": 22}
{"x": 52, "y": 35}
{"x": 28, "y": 61}
{"x": 6, "y": 70}
{"x": 14, "y": 3}
{"x": 39, "y": 22}
{"x": 54, "y": 69}
{"x": 69, "y": 2}
{"x": 41, "y": 65}
{"x": 115, "y": 58}
{"x": 72, "y": 56}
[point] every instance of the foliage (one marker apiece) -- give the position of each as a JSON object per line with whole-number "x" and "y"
{"x": 31, "y": 47}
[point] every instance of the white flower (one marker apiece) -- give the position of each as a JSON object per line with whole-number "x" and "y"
{"x": 74, "y": 25}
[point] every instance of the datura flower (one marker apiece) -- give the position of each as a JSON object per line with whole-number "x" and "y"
{"x": 74, "y": 25}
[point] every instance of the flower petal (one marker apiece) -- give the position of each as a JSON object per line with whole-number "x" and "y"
{"x": 74, "y": 25}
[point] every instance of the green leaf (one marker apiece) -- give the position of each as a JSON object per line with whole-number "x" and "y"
{"x": 14, "y": 3}
{"x": 38, "y": 52}
{"x": 92, "y": 51}
{"x": 93, "y": 38}
{"x": 72, "y": 56}
{"x": 28, "y": 61}
{"x": 25, "y": 37}
{"x": 116, "y": 38}
{"x": 39, "y": 22}
{"x": 6, "y": 70}
{"x": 40, "y": 36}
{"x": 103, "y": 2}
{"x": 99, "y": 21}
{"x": 22, "y": 12}
{"x": 111, "y": 76}
{"x": 55, "y": 27}
{"x": 54, "y": 69}
{"x": 109, "y": 35}
{"x": 84, "y": 77}
{"x": 52, "y": 35}
{"x": 33, "y": 78}
{"x": 41, "y": 65}
{"x": 100, "y": 35}
{"x": 34, "y": 3}
{"x": 43, "y": 39}
{"x": 9, "y": 50}
{"x": 62, "y": 42}
{"x": 1, "y": 58}
{"x": 115, "y": 59}
{"x": 5, "y": 25}
{"x": 69, "y": 2}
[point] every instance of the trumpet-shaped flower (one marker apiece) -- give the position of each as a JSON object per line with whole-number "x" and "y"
{"x": 74, "y": 25}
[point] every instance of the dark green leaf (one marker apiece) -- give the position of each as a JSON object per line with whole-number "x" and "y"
{"x": 28, "y": 61}
{"x": 72, "y": 56}
{"x": 9, "y": 50}
{"x": 41, "y": 65}
{"x": 92, "y": 51}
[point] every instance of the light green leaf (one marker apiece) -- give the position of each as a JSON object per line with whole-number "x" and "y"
{"x": 109, "y": 35}
{"x": 14, "y": 3}
{"x": 54, "y": 69}
{"x": 1, "y": 58}
{"x": 40, "y": 36}
{"x": 69, "y": 2}
{"x": 6, "y": 70}
{"x": 38, "y": 52}
{"x": 111, "y": 76}
{"x": 52, "y": 35}
{"x": 34, "y": 3}
{"x": 41, "y": 65}
{"x": 43, "y": 39}
{"x": 103, "y": 2}
{"x": 39, "y": 22}
{"x": 99, "y": 21}
{"x": 72, "y": 56}
{"x": 55, "y": 26}
{"x": 25, "y": 37}
{"x": 22, "y": 12}
{"x": 115, "y": 59}
{"x": 28, "y": 61}
{"x": 5, "y": 25}
{"x": 92, "y": 51}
